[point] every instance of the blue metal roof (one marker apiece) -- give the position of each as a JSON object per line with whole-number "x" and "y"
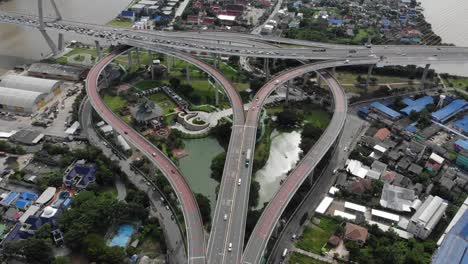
{"x": 462, "y": 143}
{"x": 384, "y": 109}
{"x": 449, "y": 110}
{"x": 462, "y": 124}
{"x": 364, "y": 110}
{"x": 411, "y": 128}
{"x": 416, "y": 105}
{"x": 455, "y": 244}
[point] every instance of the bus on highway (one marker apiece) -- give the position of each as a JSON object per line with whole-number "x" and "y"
{"x": 247, "y": 157}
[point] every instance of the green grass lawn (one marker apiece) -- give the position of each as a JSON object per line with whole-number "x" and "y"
{"x": 164, "y": 102}
{"x": 319, "y": 118}
{"x": 75, "y": 51}
{"x": 348, "y": 80}
{"x": 296, "y": 258}
{"x": 148, "y": 84}
{"x": 119, "y": 23}
{"x": 115, "y": 103}
{"x": 461, "y": 82}
{"x": 315, "y": 237}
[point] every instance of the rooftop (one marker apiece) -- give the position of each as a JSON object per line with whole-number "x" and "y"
{"x": 449, "y": 110}
{"x": 397, "y": 198}
{"x": 416, "y": 105}
{"x": 385, "y": 109}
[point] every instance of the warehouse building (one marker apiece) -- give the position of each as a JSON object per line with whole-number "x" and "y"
{"x": 26, "y": 94}
{"x": 22, "y": 101}
{"x": 56, "y": 71}
{"x": 385, "y": 111}
{"x": 450, "y": 110}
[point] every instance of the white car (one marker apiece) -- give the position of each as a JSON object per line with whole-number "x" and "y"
{"x": 346, "y": 61}
{"x": 225, "y": 217}
{"x": 230, "y": 247}
{"x": 153, "y": 154}
{"x": 239, "y": 182}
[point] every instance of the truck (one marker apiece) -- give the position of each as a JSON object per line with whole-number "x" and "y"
{"x": 285, "y": 252}
{"x": 247, "y": 157}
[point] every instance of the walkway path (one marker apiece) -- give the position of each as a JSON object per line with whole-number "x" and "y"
{"x": 313, "y": 255}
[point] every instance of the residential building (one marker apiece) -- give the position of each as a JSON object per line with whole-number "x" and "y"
{"x": 397, "y": 198}
{"x": 356, "y": 233}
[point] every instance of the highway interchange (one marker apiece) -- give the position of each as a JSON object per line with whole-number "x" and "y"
{"x": 226, "y": 241}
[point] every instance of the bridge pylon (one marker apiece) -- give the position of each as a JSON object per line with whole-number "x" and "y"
{"x": 50, "y": 42}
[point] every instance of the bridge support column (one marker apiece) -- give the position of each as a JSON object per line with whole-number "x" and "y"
{"x": 168, "y": 64}
{"x": 46, "y": 36}
{"x": 319, "y": 80}
{"x": 369, "y": 75}
{"x": 187, "y": 74}
{"x": 150, "y": 57}
{"x": 130, "y": 60}
{"x": 98, "y": 49}
{"x": 333, "y": 71}
{"x": 288, "y": 84}
{"x": 60, "y": 42}
{"x": 137, "y": 50}
{"x": 266, "y": 68}
{"x": 106, "y": 78}
{"x": 424, "y": 76}
{"x": 216, "y": 94}
{"x": 152, "y": 169}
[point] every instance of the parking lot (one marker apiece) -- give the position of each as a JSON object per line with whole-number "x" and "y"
{"x": 10, "y": 121}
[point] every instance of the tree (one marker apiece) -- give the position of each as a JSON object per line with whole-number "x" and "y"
{"x": 222, "y": 132}
{"x": 288, "y": 118}
{"x": 254, "y": 193}
{"x": 205, "y": 207}
{"x": 36, "y": 251}
{"x": 217, "y": 166}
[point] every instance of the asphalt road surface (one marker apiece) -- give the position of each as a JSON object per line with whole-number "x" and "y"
{"x": 270, "y": 216}
{"x": 193, "y": 222}
{"x": 173, "y": 236}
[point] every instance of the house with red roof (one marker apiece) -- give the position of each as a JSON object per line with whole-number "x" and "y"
{"x": 356, "y": 233}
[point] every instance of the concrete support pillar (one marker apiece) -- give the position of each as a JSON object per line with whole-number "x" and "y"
{"x": 369, "y": 75}
{"x": 168, "y": 64}
{"x": 187, "y": 74}
{"x": 319, "y": 80}
{"x": 152, "y": 70}
{"x": 150, "y": 57}
{"x": 137, "y": 50}
{"x": 288, "y": 84}
{"x": 333, "y": 71}
{"x": 106, "y": 78}
{"x": 60, "y": 42}
{"x": 266, "y": 68}
{"x": 216, "y": 94}
{"x": 98, "y": 49}
{"x": 130, "y": 60}
{"x": 152, "y": 169}
{"x": 424, "y": 76}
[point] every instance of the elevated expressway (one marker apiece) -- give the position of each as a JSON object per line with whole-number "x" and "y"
{"x": 193, "y": 222}
{"x": 242, "y": 44}
{"x": 234, "y": 199}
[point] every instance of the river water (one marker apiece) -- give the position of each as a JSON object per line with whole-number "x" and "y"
{"x": 449, "y": 19}
{"x": 20, "y": 45}
{"x": 284, "y": 155}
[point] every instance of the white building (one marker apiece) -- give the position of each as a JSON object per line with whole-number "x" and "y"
{"x": 427, "y": 216}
